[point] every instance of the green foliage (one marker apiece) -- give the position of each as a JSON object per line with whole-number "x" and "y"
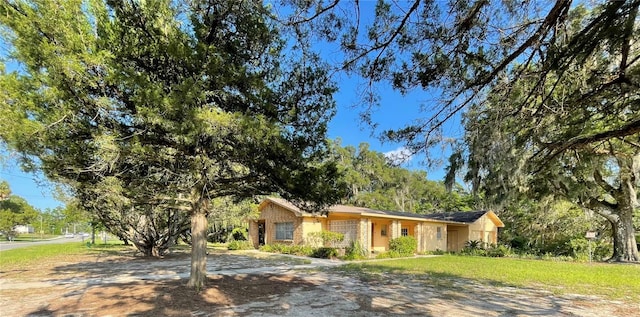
{"x": 437, "y": 252}
{"x": 546, "y": 226}
{"x": 147, "y": 110}
{"x": 227, "y": 218}
{"x": 355, "y": 251}
{"x": 325, "y": 253}
{"x": 600, "y": 249}
{"x": 474, "y": 245}
{"x": 15, "y": 210}
{"x": 240, "y": 245}
{"x": 498, "y": 251}
{"x": 302, "y": 250}
{"x": 404, "y": 246}
{"x": 479, "y": 248}
{"x": 375, "y": 182}
{"x": 540, "y": 156}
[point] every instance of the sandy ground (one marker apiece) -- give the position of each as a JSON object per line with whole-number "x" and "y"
{"x": 259, "y": 284}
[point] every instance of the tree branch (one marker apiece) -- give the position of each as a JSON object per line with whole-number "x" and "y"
{"x": 558, "y": 147}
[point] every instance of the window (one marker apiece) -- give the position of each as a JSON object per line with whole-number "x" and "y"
{"x": 439, "y": 233}
{"x": 284, "y": 231}
{"x": 383, "y": 231}
{"x": 347, "y": 227}
{"x": 404, "y": 232}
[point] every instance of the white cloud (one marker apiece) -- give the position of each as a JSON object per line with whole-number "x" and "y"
{"x": 399, "y": 156}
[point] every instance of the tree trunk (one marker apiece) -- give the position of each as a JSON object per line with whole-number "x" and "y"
{"x": 198, "y": 245}
{"x": 625, "y": 248}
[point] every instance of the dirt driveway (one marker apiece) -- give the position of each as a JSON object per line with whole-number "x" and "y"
{"x": 259, "y": 284}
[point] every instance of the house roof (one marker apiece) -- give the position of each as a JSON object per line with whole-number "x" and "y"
{"x": 466, "y": 216}
{"x": 446, "y": 217}
{"x": 460, "y": 216}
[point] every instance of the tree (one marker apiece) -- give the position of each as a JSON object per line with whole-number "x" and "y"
{"x": 5, "y": 190}
{"x": 375, "y": 182}
{"x": 14, "y": 210}
{"x": 165, "y": 104}
{"x": 516, "y": 146}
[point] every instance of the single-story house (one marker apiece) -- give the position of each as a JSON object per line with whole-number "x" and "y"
{"x": 282, "y": 222}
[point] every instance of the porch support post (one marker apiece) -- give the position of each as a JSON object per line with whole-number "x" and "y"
{"x": 395, "y": 229}
{"x": 364, "y": 234}
{"x": 419, "y": 236}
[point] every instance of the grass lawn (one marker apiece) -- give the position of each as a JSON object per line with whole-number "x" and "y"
{"x": 613, "y": 281}
{"x": 35, "y": 237}
{"x": 11, "y": 259}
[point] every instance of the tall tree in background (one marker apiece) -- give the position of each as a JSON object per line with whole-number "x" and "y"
{"x": 539, "y": 146}
{"x": 14, "y": 210}
{"x": 165, "y": 104}
{"x": 375, "y": 182}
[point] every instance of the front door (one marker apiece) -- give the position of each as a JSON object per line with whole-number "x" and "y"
{"x": 452, "y": 241}
{"x": 261, "y": 233}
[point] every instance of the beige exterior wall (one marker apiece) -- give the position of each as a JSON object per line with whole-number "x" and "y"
{"x": 410, "y": 226}
{"x": 429, "y": 237}
{"x": 456, "y": 237}
{"x": 309, "y": 225}
{"x": 485, "y": 230}
{"x": 272, "y": 214}
{"x": 380, "y": 242}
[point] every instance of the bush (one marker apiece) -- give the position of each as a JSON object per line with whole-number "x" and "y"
{"x": 355, "y": 251}
{"x": 240, "y": 245}
{"x": 287, "y": 249}
{"x": 498, "y": 251}
{"x": 600, "y": 249}
{"x": 325, "y": 253}
{"x": 405, "y": 246}
{"x": 436, "y": 252}
{"x": 325, "y": 238}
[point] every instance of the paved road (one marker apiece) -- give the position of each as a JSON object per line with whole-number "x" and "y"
{"x": 5, "y": 245}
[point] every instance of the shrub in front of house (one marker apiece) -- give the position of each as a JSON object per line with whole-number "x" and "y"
{"x": 302, "y": 250}
{"x": 404, "y": 246}
{"x": 355, "y": 251}
{"x": 325, "y": 253}
{"x": 324, "y": 238}
{"x": 474, "y": 247}
{"x": 240, "y": 245}
{"x": 498, "y": 251}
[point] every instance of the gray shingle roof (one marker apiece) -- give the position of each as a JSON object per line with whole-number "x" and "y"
{"x": 460, "y": 216}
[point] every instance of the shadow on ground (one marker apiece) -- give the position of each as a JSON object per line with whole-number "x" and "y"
{"x": 138, "y": 286}
{"x": 169, "y": 298}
